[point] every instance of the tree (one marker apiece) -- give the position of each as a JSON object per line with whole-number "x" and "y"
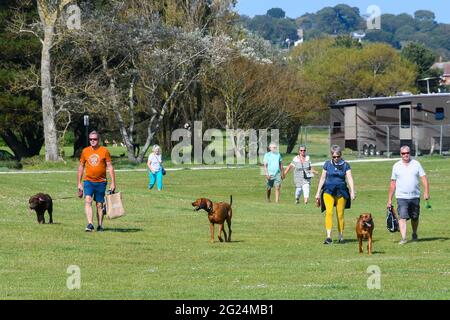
{"x": 20, "y": 115}
{"x": 135, "y": 67}
{"x": 276, "y": 13}
{"x": 339, "y": 19}
{"x": 274, "y": 29}
{"x": 424, "y": 15}
{"x": 49, "y": 12}
{"x": 423, "y": 58}
{"x": 331, "y": 72}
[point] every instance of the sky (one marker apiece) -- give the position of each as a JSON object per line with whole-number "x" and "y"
{"x": 296, "y": 8}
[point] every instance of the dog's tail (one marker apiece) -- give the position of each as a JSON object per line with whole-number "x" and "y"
{"x": 231, "y": 200}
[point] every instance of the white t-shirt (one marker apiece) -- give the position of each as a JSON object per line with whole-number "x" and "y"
{"x": 155, "y": 161}
{"x": 407, "y": 179}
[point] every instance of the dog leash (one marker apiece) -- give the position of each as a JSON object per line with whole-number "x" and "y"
{"x": 63, "y": 198}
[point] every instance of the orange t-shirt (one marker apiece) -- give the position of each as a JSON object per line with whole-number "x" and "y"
{"x": 95, "y": 162}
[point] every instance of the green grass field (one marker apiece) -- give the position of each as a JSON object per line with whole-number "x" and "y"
{"x": 161, "y": 249}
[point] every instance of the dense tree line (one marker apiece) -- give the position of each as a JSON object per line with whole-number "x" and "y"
{"x": 142, "y": 69}
{"x": 397, "y": 30}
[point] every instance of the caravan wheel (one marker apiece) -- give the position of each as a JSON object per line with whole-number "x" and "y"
{"x": 366, "y": 150}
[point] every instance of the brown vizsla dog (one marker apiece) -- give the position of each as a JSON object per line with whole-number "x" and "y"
{"x": 217, "y": 214}
{"x": 364, "y": 229}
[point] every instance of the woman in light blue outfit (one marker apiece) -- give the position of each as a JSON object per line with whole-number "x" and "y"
{"x": 155, "y": 167}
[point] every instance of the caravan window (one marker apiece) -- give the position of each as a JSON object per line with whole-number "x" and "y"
{"x": 405, "y": 117}
{"x": 337, "y": 127}
{"x": 439, "y": 115}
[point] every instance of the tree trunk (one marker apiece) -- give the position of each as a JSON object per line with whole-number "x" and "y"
{"x": 29, "y": 147}
{"x": 48, "y": 108}
{"x": 127, "y": 139}
{"x": 292, "y": 136}
{"x": 79, "y": 137}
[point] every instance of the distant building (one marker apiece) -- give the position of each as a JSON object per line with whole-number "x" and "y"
{"x": 445, "y": 66}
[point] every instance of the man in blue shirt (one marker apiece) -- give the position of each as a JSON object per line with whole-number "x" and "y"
{"x": 273, "y": 170}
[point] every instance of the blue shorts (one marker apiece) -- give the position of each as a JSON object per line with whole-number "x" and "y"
{"x": 409, "y": 208}
{"x": 96, "y": 190}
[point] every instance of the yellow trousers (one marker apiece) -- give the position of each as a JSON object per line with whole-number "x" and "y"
{"x": 331, "y": 201}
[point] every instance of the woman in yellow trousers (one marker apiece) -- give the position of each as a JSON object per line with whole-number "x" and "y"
{"x": 332, "y": 191}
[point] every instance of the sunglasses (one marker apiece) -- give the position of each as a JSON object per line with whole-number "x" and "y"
{"x": 403, "y": 153}
{"x": 302, "y": 150}
{"x": 336, "y": 157}
{"x": 92, "y": 139}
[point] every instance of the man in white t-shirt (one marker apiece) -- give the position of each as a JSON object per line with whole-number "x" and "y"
{"x": 406, "y": 174}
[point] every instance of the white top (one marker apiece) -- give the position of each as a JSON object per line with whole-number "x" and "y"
{"x": 155, "y": 161}
{"x": 297, "y": 159}
{"x": 407, "y": 179}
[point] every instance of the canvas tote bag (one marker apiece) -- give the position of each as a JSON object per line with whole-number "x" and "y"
{"x": 114, "y": 206}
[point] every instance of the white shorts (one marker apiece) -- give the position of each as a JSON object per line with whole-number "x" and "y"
{"x": 304, "y": 189}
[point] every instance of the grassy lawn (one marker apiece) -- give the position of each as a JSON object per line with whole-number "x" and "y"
{"x": 161, "y": 249}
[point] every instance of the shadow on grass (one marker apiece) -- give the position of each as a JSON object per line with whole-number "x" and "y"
{"x": 130, "y": 230}
{"x": 433, "y": 239}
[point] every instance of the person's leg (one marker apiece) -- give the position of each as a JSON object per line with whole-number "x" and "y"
{"x": 415, "y": 212}
{"x": 269, "y": 187}
{"x": 152, "y": 180}
{"x": 99, "y": 206}
{"x": 415, "y": 226}
{"x": 403, "y": 213}
{"x": 340, "y": 207}
{"x": 159, "y": 178}
{"x": 329, "y": 205}
{"x": 88, "y": 195}
{"x": 88, "y": 209}
{"x": 99, "y": 198}
{"x": 298, "y": 193}
{"x": 306, "y": 193}
{"x": 402, "y": 225}
{"x": 277, "y": 184}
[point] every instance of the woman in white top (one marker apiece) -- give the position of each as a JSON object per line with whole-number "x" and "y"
{"x": 303, "y": 172}
{"x": 155, "y": 167}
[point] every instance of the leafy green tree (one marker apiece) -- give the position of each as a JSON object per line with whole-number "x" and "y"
{"x": 423, "y": 58}
{"x": 424, "y": 15}
{"x": 339, "y": 19}
{"x": 276, "y": 13}
{"x": 331, "y": 72}
{"x": 20, "y": 113}
{"x": 273, "y": 29}
{"x": 347, "y": 41}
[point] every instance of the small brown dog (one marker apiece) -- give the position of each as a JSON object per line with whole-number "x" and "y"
{"x": 217, "y": 214}
{"x": 364, "y": 230}
{"x": 40, "y": 203}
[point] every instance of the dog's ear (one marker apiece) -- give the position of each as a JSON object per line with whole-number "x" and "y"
{"x": 209, "y": 205}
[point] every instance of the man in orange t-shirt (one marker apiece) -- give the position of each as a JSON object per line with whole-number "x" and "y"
{"x": 97, "y": 160}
